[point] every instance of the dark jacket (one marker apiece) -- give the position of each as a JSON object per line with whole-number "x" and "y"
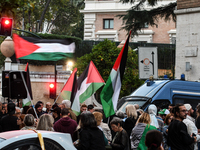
{"x": 91, "y": 139}
{"x": 9, "y": 123}
{"x": 65, "y": 125}
{"x": 178, "y": 137}
{"x": 121, "y": 141}
{"x": 40, "y": 113}
{"x": 129, "y": 125}
{"x": 56, "y": 119}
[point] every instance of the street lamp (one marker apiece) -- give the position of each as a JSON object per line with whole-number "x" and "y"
{"x": 7, "y": 49}
{"x": 69, "y": 65}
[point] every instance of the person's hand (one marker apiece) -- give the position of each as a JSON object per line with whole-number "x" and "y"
{"x": 36, "y": 122}
{"x": 161, "y": 148}
{"x": 195, "y": 139}
{"x": 167, "y": 131}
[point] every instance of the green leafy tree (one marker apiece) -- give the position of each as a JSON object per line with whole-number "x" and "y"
{"x": 136, "y": 17}
{"x": 62, "y": 15}
{"x": 104, "y": 56}
{"x": 67, "y": 18}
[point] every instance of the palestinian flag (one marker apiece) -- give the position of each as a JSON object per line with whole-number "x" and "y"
{"x": 67, "y": 90}
{"x": 110, "y": 92}
{"x": 42, "y": 49}
{"x": 27, "y": 101}
{"x": 87, "y": 84}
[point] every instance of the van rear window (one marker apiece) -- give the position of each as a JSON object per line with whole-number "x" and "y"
{"x": 123, "y": 107}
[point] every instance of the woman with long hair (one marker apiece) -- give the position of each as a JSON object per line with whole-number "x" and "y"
{"x": 99, "y": 116}
{"x": 138, "y": 133}
{"x": 45, "y": 123}
{"x": 131, "y": 119}
{"x": 168, "y": 120}
{"x": 91, "y": 137}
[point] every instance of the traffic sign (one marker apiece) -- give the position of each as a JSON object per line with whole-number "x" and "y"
{"x": 147, "y": 62}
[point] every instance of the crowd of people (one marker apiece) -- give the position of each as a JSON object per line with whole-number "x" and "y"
{"x": 174, "y": 128}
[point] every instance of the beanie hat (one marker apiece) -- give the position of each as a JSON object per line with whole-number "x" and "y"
{"x": 188, "y": 106}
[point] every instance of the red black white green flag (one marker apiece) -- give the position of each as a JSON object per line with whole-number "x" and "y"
{"x": 69, "y": 88}
{"x": 87, "y": 84}
{"x": 42, "y": 49}
{"x": 110, "y": 92}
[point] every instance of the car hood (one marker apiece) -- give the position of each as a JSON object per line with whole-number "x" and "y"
{"x": 63, "y": 139}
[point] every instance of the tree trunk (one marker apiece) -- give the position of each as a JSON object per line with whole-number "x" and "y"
{"x": 29, "y": 19}
{"x": 43, "y": 13}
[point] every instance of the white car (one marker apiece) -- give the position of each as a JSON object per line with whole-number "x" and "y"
{"x": 28, "y": 140}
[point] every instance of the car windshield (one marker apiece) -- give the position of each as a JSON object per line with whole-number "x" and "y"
{"x": 123, "y": 107}
{"x": 149, "y": 91}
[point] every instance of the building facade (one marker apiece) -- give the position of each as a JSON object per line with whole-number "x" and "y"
{"x": 188, "y": 37}
{"x": 101, "y": 21}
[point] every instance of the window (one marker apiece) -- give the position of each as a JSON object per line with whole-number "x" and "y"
{"x": 33, "y": 144}
{"x": 108, "y": 23}
{"x": 192, "y": 100}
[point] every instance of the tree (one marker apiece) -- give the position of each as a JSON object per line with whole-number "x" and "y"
{"x": 43, "y": 13}
{"x": 104, "y": 56}
{"x": 66, "y": 18}
{"x": 62, "y": 15}
{"x": 137, "y": 17}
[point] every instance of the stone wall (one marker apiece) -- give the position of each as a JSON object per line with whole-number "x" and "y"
{"x": 40, "y": 91}
{"x": 187, "y": 43}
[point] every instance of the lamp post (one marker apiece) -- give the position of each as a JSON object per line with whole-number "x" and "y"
{"x": 7, "y": 49}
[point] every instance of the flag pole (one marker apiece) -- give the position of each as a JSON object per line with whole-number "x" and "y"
{"x": 55, "y": 82}
{"x": 27, "y": 89}
{"x": 57, "y": 98}
{"x": 108, "y": 120}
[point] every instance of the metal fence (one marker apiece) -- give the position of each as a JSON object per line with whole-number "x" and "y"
{"x": 166, "y": 52}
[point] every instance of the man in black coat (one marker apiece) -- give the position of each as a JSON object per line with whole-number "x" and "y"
{"x": 9, "y": 122}
{"x": 178, "y": 137}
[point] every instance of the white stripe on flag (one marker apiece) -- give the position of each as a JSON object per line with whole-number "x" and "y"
{"x": 116, "y": 84}
{"x": 76, "y": 103}
{"x": 83, "y": 87}
{"x": 55, "y": 47}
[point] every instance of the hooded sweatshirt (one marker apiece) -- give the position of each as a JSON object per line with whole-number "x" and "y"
{"x": 65, "y": 125}
{"x": 152, "y": 110}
